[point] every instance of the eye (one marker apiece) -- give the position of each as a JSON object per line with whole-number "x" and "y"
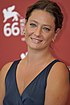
{"x": 46, "y": 29}
{"x": 32, "y": 24}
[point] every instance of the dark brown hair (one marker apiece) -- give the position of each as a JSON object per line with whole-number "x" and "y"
{"x": 50, "y": 7}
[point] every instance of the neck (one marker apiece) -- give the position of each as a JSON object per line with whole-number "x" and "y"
{"x": 36, "y": 56}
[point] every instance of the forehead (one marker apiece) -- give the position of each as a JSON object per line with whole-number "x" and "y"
{"x": 42, "y": 16}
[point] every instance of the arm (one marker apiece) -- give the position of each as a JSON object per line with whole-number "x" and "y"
{"x": 57, "y": 85}
{"x": 3, "y": 73}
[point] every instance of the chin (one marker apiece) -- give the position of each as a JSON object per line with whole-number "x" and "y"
{"x": 37, "y": 47}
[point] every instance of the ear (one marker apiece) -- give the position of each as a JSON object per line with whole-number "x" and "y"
{"x": 24, "y": 30}
{"x": 26, "y": 21}
{"x": 56, "y": 33}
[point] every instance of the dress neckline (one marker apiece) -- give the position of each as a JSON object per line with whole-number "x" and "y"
{"x": 56, "y": 60}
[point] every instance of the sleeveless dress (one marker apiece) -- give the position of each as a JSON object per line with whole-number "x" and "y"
{"x": 34, "y": 93}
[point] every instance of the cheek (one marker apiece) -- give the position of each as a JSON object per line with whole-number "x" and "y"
{"x": 28, "y": 34}
{"x": 29, "y": 31}
{"x": 48, "y": 38}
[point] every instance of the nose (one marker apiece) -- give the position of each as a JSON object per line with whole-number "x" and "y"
{"x": 38, "y": 31}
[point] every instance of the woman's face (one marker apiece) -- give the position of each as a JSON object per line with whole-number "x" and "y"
{"x": 40, "y": 29}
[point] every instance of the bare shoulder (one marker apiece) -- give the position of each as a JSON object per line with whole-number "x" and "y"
{"x": 3, "y": 73}
{"x": 57, "y": 85}
{"x": 59, "y": 70}
{"x": 5, "y": 69}
{"x": 59, "y": 74}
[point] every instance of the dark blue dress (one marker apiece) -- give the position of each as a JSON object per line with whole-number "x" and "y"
{"x": 34, "y": 93}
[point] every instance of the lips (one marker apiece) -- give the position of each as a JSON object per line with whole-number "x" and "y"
{"x": 36, "y": 40}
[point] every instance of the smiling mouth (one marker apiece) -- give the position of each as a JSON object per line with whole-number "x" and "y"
{"x": 36, "y": 40}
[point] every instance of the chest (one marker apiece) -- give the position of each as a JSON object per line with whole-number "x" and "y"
{"x": 32, "y": 94}
{"x": 29, "y": 85}
{"x": 24, "y": 77}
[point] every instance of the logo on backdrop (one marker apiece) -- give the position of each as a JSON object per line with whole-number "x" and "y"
{"x": 16, "y": 26}
{"x": 9, "y": 13}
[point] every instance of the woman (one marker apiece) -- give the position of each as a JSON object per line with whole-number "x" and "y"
{"x": 39, "y": 78}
